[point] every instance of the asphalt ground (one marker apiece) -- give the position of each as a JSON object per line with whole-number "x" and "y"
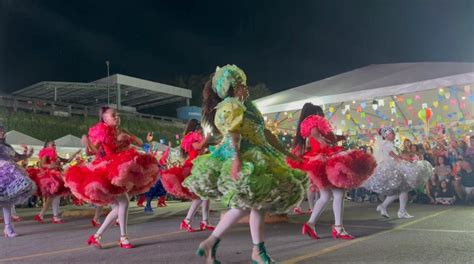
{"x": 437, "y": 234}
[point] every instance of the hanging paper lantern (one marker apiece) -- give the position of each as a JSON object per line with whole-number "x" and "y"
{"x": 425, "y": 115}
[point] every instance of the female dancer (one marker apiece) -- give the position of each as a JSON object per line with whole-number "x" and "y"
{"x": 117, "y": 171}
{"x": 192, "y": 145}
{"x": 15, "y": 186}
{"x": 244, "y": 170}
{"x": 49, "y": 180}
{"x": 300, "y": 150}
{"x": 332, "y": 169}
{"x": 395, "y": 176}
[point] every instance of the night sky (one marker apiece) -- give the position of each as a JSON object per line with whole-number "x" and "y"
{"x": 280, "y": 43}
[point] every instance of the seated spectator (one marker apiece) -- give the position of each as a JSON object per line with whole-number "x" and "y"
{"x": 431, "y": 188}
{"x": 462, "y": 147}
{"x": 464, "y": 184}
{"x": 470, "y": 150}
{"x": 454, "y": 152}
{"x": 443, "y": 171}
{"x": 406, "y": 149}
{"x": 412, "y": 153}
{"x": 428, "y": 153}
{"x": 445, "y": 194}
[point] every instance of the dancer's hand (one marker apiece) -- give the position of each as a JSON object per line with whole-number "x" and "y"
{"x": 30, "y": 152}
{"x": 85, "y": 140}
{"x": 149, "y": 137}
{"x": 123, "y": 137}
{"x": 236, "y": 168}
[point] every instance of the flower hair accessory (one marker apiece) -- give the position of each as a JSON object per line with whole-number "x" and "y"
{"x": 226, "y": 77}
{"x": 386, "y": 130}
{"x": 315, "y": 121}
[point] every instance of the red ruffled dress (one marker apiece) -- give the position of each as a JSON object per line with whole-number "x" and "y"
{"x": 115, "y": 170}
{"x": 299, "y": 165}
{"x": 173, "y": 177}
{"x": 49, "y": 181}
{"x": 333, "y": 166}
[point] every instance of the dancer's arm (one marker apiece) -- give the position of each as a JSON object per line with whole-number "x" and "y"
{"x": 27, "y": 154}
{"x": 202, "y": 144}
{"x": 131, "y": 138}
{"x": 63, "y": 160}
{"x": 236, "y": 163}
{"x": 273, "y": 140}
{"x": 91, "y": 149}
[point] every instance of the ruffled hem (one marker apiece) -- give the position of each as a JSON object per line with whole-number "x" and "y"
{"x": 265, "y": 181}
{"x": 102, "y": 180}
{"x": 203, "y": 178}
{"x": 15, "y": 186}
{"x": 49, "y": 182}
{"x": 341, "y": 170}
{"x": 392, "y": 177}
{"x": 349, "y": 169}
{"x": 173, "y": 179}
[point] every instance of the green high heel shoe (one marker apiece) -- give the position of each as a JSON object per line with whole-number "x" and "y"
{"x": 262, "y": 251}
{"x": 202, "y": 253}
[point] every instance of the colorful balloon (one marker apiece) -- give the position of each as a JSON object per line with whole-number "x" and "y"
{"x": 425, "y": 115}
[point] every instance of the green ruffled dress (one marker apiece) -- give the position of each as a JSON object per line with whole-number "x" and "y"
{"x": 265, "y": 182}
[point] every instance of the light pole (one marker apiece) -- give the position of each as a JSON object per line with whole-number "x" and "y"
{"x": 108, "y": 86}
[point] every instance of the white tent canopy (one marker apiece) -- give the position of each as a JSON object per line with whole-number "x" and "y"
{"x": 370, "y": 82}
{"x": 17, "y": 138}
{"x": 365, "y": 99}
{"x": 69, "y": 141}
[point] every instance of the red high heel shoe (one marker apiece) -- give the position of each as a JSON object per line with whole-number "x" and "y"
{"x": 341, "y": 234}
{"x": 95, "y": 223}
{"x": 94, "y": 242}
{"x": 57, "y": 221}
{"x": 141, "y": 200}
{"x": 186, "y": 225}
{"x": 125, "y": 245}
{"x": 162, "y": 202}
{"x": 308, "y": 230}
{"x": 297, "y": 211}
{"x": 205, "y": 226}
{"x": 38, "y": 219}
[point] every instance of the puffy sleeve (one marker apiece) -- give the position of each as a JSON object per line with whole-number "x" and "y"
{"x": 229, "y": 115}
{"x": 49, "y": 153}
{"x": 315, "y": 121}
{"x": 97, "y": 133}
{"x": 190, "y": 139}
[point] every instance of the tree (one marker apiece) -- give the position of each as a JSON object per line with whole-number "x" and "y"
{"x": 258, "y": 91}
{"x": 195, "y": 83}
